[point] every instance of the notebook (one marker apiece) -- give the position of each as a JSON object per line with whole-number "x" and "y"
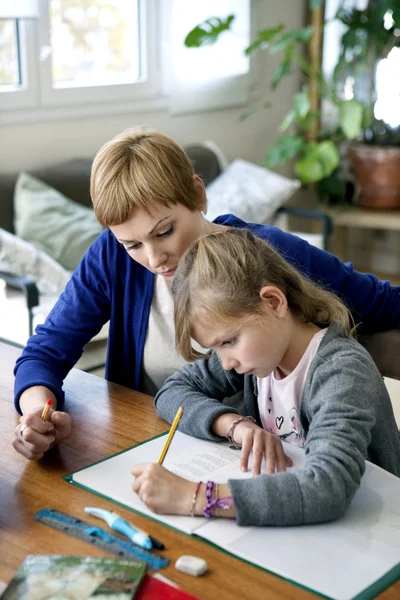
{"x": 354, "y": 557}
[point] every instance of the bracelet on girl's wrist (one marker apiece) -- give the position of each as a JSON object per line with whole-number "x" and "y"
{"x": 214, "y": 504}
{"x": 194, "y": 498}
{"x": 229, "y": 433}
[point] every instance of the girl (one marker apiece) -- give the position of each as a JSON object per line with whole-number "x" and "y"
{"x": 286, "y": 343}
{"x": 151, "y": 203}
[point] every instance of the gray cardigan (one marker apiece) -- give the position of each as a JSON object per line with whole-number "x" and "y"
{"x": 346, "y": 415}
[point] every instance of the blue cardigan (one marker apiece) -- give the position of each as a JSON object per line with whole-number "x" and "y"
{"x": 109, "y": 285}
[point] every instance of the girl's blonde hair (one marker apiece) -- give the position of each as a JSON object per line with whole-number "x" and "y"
{"x": 140, "y": 168}
{"x": 219, "y": 279}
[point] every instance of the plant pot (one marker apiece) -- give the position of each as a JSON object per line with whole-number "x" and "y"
{"x": 377, "y": 171}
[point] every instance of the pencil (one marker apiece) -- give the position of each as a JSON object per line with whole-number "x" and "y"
{"x": 170, "y": 435}
{"x": 46, "y": 410}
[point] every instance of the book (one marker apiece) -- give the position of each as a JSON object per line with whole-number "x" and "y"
{"x": 41, "y": 577}
{"x": 354, "y": 557}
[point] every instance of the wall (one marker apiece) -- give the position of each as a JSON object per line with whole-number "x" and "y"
{"x": 28, "y": 146}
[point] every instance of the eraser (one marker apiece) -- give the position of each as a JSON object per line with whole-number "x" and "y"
{"x": 192, "y": 565}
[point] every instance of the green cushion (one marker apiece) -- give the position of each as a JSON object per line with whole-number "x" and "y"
{"x": 53, "y": 223}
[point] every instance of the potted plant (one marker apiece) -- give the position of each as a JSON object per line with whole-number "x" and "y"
{"x": 371, "y": 144}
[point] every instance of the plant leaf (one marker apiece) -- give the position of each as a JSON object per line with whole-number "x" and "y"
{"x": 309, "y": 169}
{"x": 284, "y": 68}
{"x": 301, "y": 108}
{"x": 351, "y": 118}
{"x": 288, "y": 120}
{"x": 301, "y": 103}
{"x": 320, "y": 161}
{"x": 283, "y": 150}
{"x": 292, "y": 36}
{"x": 208, "y": 31}
{"x": 328, "y": 155}
{"x": 263, "y": 38}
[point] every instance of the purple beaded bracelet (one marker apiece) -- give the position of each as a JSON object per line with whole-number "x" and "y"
{"x": 223, "y": 503}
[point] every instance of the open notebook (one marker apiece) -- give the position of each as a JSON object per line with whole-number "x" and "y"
{"x": 354, "y": 557}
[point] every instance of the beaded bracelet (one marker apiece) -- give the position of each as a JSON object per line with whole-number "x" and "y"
{"x": 229, "y": 433}
{"x": 223, "y": 503}
{"x": 196, "y": 492}
{"x": 209, "y": 494}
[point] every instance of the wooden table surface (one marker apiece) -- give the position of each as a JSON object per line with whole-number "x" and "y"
{"x": 107, "y": 418}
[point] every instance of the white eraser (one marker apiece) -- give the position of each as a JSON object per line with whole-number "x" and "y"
{"x": 192, "y": 565}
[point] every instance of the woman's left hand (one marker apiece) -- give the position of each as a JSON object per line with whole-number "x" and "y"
{"x": 161, "y": 490}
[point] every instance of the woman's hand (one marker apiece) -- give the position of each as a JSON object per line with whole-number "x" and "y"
{"x": 161, "y": 490}
{"x": 263, "y": 445}
{"x": 34, "y": 437}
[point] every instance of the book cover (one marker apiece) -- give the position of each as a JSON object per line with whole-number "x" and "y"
{"x": 54, "y": 577}
{"x": 156, "y": 587}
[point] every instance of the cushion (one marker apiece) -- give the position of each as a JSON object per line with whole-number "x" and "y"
{"x": 249, "y": 191}
{"x": 54, "y": 224}
{"x": 22, "y": 258}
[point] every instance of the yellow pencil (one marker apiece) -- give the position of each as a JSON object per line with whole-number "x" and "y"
{"x": 170, "y": 435}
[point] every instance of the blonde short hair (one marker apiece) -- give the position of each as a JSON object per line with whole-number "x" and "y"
{"x": 140, "y": 168}
{"x": 219, "y": 279}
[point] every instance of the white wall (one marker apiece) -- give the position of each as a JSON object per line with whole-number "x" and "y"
{"x": 28, "y": 146}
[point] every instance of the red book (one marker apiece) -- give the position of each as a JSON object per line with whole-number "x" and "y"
{"x": 153, "y": 588}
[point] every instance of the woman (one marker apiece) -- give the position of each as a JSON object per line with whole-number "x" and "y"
{"x": 147, "y": 196}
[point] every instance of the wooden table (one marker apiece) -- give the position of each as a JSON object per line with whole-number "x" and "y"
{"x": 106, "y": 419}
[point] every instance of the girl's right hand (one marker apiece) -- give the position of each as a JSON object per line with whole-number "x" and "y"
{"x": 34, "y": 437}
{"x": 263, "y": 445}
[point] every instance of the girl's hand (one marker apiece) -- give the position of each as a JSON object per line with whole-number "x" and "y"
{"x": 161, "y": 490}
{"x": 34, "y": 437}
{"x": 264, "y": 445}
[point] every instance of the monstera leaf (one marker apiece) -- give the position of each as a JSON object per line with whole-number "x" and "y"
{"x": 208, "y": 31}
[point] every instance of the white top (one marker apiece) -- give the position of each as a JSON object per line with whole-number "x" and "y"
{"x": 160, "y": 357}
{"x": 279, "y": 399}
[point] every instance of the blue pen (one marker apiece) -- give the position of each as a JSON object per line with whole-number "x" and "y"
{"x": 118, "y": 524}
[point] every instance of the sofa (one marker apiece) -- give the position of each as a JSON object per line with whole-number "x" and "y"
{"x": 71, "y": 178}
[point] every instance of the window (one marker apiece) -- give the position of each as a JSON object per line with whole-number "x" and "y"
{"x": 82, "y": 57}
{"x": 10, "y": 73}
{"x": 387, "y": 70}
{"x": 18, "y": 85}
{"x": 213, "y": 76}
{"x": 96, "y": 51}
{"x": 79, "y": 53}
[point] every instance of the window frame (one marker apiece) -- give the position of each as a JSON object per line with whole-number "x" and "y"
{"x": 26, "y": 95}
{"x": 52, "y": 97}
{"x": 37, "y": 101}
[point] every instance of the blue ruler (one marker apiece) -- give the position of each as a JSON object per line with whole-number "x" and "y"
{"x": 96, "y": 536}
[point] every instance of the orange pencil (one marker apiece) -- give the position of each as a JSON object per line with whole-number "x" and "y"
{"x": 46, "y": 410}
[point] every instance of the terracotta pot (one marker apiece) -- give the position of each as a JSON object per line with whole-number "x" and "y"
{"x": 377, "y": 171}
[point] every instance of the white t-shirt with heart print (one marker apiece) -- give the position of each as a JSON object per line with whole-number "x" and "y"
{"x": 279, "y": 399}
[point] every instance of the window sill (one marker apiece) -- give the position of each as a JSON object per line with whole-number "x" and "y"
{"x": 37, "y": 115}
